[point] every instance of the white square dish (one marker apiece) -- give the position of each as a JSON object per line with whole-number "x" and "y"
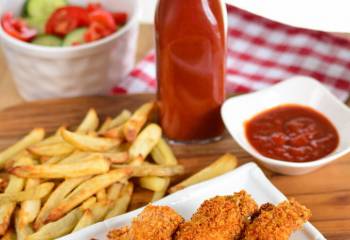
{"x": 300, "y": 90}
{"x": 248, "y": 177}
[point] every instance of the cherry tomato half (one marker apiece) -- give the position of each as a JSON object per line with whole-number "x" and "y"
{"x": 120, "y": 18}
{"x": 66, "y": 19}
{"x": 104, "y": 18}
{"x": 93, "y": 6}
{"x": 96, "y": 31}
{"x": 17, "y": 28}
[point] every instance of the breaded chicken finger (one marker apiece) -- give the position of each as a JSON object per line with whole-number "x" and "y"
{"x": 277, "y": 223}
{"x": 153, "y": 223}
{"x": 220, "y": 218}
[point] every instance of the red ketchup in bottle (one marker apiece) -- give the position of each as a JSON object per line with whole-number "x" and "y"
{"x": 191, "y": 41}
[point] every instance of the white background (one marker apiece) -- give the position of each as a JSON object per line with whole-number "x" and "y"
{"x": 327, "y": 15}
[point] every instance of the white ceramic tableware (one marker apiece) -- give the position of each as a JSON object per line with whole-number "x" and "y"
{"x": 54, "y": 72}
{"x": 248, "y": 177}
{"x": 297, "y": 90}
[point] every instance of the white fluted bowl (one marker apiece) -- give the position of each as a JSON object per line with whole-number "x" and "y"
{"x": 90, "y": 69}
{"x": 300, "y": 90}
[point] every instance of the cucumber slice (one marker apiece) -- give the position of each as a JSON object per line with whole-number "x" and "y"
{"x": 37, "y": 23}
{"x": 43, "y": 8}
{"x": 75, "y": 37}
{"x": 48, "y": 40}
{"x": 25, "y": 9}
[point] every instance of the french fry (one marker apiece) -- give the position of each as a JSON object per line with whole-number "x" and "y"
{"x": 59, "y": 228}
{"x": 54, "y": 139}
{"x": 54, "y": 160}
{"x": 113, "y": 157}
{"x": 122, "y": 118}
{"x": 116, "y": 132}
{"x": 33, "y": 193}
{"x": 100, "y": 209}
{"x": 116, "y": 126}
{"x": 6, "y": 210}
{"x": 222, "y": 165}
{"x": 9, "y": 235}
{"x": 86, "y": 190}
{"x": 92, "y": 166}
{"x": 55, "y": 198}
{"x": 51, "y": 150}
{"x": 101, "y": 195}
{"x": 113, "y": 128}
{"x": 117, "y": 157}
{"x": 15, "y": 184}
{"x": 33, "y": 137}
{"x": 155, "y": 184}
{"x": 160, "y": 194}
{"x": 106, "y": 125}
{"x": 87, "y": 219}
{"x": 162, "y": 154}
{"x": 120, "y": 206}
{"x": 22, "y": 230}
{"x": 145, "y": 141}
{"x": 92, "y": 134}
{"x": 88, "y": 203}
{"x": 134, "y": 125}
{"x": 29, "y": 209}
{"x": 88, "y": 143}
{"x": 20, "y": 156}
{"x": 90, "y": 122}
{"x": 43, "y": 158}
{"x": 114, "y": 191}
{"x": 3, "y": 184}
{"x": 75, "y": 157}
{"x": 94, "y": 214}
{"x": 146, "y": 170}
{"x": 96, "y": 164}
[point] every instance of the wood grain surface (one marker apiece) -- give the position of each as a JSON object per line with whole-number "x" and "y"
{"x": 326, "y": 192}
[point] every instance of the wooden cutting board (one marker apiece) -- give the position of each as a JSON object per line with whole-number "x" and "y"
{"x": 326, "y": 191}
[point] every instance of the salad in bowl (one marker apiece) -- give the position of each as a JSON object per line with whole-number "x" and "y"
{"x": 57, "y": 23}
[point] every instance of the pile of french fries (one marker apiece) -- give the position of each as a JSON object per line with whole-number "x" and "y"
{"x": 52, "y": 186}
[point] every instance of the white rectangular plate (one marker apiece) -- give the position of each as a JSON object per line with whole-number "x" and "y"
{"x": 248, "y": 177}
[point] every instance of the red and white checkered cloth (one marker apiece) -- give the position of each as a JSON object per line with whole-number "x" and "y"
{"x": 262, "y": 52}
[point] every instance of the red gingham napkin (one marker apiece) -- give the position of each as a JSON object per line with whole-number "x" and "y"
{"x": 262, "y": 52}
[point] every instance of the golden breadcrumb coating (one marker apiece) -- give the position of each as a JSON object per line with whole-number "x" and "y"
{"x": 277, "y": 223}
{"x": 220, "y": 218}
{"x": 153, "y": 223}
{"x": 119, "y": 234}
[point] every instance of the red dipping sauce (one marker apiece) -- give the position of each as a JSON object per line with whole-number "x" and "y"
{"x": 292, "y": 133}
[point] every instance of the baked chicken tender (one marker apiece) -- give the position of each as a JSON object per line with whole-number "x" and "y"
{"x": 153, "y": 223}
{"x": 277, "y": 222}
{"x": 220, "y": 218}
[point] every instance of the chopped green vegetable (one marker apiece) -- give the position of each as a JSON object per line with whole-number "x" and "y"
{"x": 75, "y": 37}
{"x": 37, "y": 23}
{"x": 48, "y": 40}
{"x": 25, "y": 8}
{"x": 42, "y": 9}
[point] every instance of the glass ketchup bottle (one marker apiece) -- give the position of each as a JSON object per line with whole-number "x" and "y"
{"x": 191, "y": 41}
